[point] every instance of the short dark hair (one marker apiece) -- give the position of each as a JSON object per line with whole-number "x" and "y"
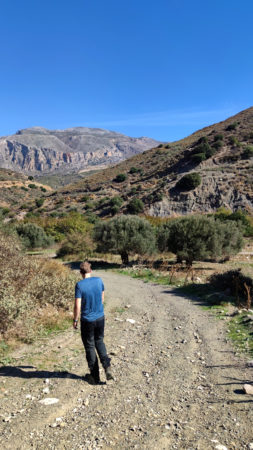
{"x": 85, "y": 267}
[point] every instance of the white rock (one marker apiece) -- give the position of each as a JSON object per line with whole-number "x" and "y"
{"x": 250, "y": 363}
{"x": 46, "y": 390}
{"x": 128, "y": 306}
{"x": 248, "y": 389}
{"x": 49, "y": 401}
{"x": 221, "y": 447}
{"x": 46, "y": 381}
{"x": 130, "y": 320}
{"x": 250, "y": 446}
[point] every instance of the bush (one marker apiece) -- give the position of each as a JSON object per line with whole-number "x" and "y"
{"x": 248, "y": 152}
{"x": 133, "y": 170}
{"x": 203, "y": 140}
{"x": 218, "y": 137}
{"x": 39, "y": 202}
{"x": 198, "y": 157}
{"x": 217, "y": 144}
{"x": 189, "y": 181}
{"x": 135, "y": 206}
{"x": 116, "y": 201}
{"x": 33, "y": 236}
{"x": 80, "y": 245}
{"x": 32, "y": 186}
{"x": 244, "y": 221}
{"x": 234, "y": 281}
{"x": 199, "y": 237}
{"x": 43, "y": 189}
{"x": 232, "y": 126}
{"x": 125, "y": 235}
{"x": 120, "y": 178}
{"x": 28, "y": 287}
{"x": 30, "y": 178}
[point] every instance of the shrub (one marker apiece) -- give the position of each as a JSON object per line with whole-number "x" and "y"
{"x": 30, "y": 178}
{"x": 125, "y": 235}
{"x": 232, "y": 126}
{"x": 247, "y": 152}
{"x": 160, "y": 146}
{"x": 28, "y": 287}
{"x": 24, "y": 188}
{"x": 135, "y": 206}
{"x": 198, "y": 157}
{"x": 39, "y": 202}
{"x": 33, "y": 236}
{"x": 218, "y": 137}
{"x": 203, "y": 139}
{"x": 199, "y": 237}
{"x": 43, "y": 189}
{"x": 133, "y": 170}
{"x": 78, "y": 244}
{"x": 120, "y": 178}
{"x": 234, "y": 281}
{"x": 116, "y": 201}
{"x": 189, "y": 181}
{"x": 240, "y": 217}
{"x": 217, "y": 144}
{"x": 32, "y": 186}
{"x": 84, "y": 198}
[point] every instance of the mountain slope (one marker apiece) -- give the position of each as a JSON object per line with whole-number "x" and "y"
{"x": 38, "y": 150}
{"x": 226, "y": 175}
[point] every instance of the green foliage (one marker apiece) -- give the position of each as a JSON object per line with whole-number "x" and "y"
{"x": 189, "y": 181}
{"x": 32, "y": 186}
{"x": 247, "y": 152}
{"x": 84, "y": 198}
{"x": 232, "y": 280}
{"x": 198, "y": 157}
{"x": 116, "y": 201}
{"x": 29, "y": 286}
{"x": 243, "y": 220}
{"x": 39, "y": 202}
{"x": 133, "y": 170}
{"x": 4, "y": 211}
{"x": 78, "y": 244}
{"x": 160, "y": 146}
{"x": 203, "y": 140}
{"x": 120, "y": 178}
{"x": 135, "y": 206}
{"x": 125, "y": 235}
{"x": 232, "y": 126}
{"x": 199, "y": 237}
{"x": 234, "y": 141}
{"x": 43, "y": 189}
{"x": 218, "y": 144}
{"x": 33, "y": 236}
{"x": 30, "y": 178}
{"x": 24, "y": 188}
{"x": 218, "y": 137}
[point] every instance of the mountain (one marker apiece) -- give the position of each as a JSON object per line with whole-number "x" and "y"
{"x": 221, "y": 155}
{"x": 38, "y": 150}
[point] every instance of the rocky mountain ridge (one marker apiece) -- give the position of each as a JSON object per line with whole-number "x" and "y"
{"x": 39, "y": 150}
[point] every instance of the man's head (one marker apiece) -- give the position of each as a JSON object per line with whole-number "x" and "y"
{"x": 85, "y": 268}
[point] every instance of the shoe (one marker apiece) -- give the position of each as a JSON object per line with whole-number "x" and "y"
{"x": 108, "y": 374}
{"x": 91, "y": 380}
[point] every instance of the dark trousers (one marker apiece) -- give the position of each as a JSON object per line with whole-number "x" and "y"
{"x": 93, "y": 340}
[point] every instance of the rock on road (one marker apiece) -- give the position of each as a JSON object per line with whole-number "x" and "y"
{"x": 178, "y": 384}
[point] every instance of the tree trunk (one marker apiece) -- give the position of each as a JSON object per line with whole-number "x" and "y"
{"x": 124, "y": 258}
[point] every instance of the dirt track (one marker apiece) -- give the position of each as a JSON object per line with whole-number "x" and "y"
{"x": 178, "y": 384}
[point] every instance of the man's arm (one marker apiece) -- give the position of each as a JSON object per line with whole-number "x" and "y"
{"x": 103, "y": 296}
{"x": 77, "y": 309}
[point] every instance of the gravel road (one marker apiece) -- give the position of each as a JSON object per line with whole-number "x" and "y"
{"x": 178, "y": 384}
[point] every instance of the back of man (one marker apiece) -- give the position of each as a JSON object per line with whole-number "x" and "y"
{"x": 90, "y": 291}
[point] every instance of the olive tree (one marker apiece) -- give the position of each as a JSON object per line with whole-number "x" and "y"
{"x": 125, "y": 235}
{"x": 196, "y": 238}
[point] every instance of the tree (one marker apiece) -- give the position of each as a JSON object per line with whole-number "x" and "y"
{"x": 79, "y": 244}
{"x": 125, "y": 235}
{"x": 120, "y": 177}
{"x": 33, "y": 236}
{"x": 199, "y": 237}
{"x": 135, "y": 206}
{"x": 189, "y": 181}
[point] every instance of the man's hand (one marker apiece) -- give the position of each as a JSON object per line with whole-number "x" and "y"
{"x": 75, "y": 322}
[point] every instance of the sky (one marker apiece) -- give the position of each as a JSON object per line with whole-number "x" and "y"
{"x": 161, "y": 69}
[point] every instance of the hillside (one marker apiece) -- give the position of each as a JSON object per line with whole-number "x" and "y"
{"x": 38, "y": 150}
{"x": 152, "y": 177}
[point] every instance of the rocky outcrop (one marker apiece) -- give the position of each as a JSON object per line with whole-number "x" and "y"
{"x": 37, "y": 150}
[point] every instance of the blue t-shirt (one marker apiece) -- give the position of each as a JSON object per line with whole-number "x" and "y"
{"x": 90, "y": 291}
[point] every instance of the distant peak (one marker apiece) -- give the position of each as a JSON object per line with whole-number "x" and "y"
{"x": 33, "y": 130}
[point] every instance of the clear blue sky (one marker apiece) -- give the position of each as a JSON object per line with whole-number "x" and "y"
{"x": 159, "y": 68}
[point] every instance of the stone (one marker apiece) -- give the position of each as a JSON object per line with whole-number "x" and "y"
{"x": 248, "y": 389}
{"x": 49, "y": 401}
{"x": 221, "y": 447}
{"x": 130, "y": 321}
{"x": 46, "y": 390}
{"x": 250, "y": 363}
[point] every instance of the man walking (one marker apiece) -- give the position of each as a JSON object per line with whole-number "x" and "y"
{"x": 89, "y": 299}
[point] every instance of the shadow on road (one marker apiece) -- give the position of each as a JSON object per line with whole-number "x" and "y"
{"x": 96, "y": 265}
{"x": 22, "y": 372}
